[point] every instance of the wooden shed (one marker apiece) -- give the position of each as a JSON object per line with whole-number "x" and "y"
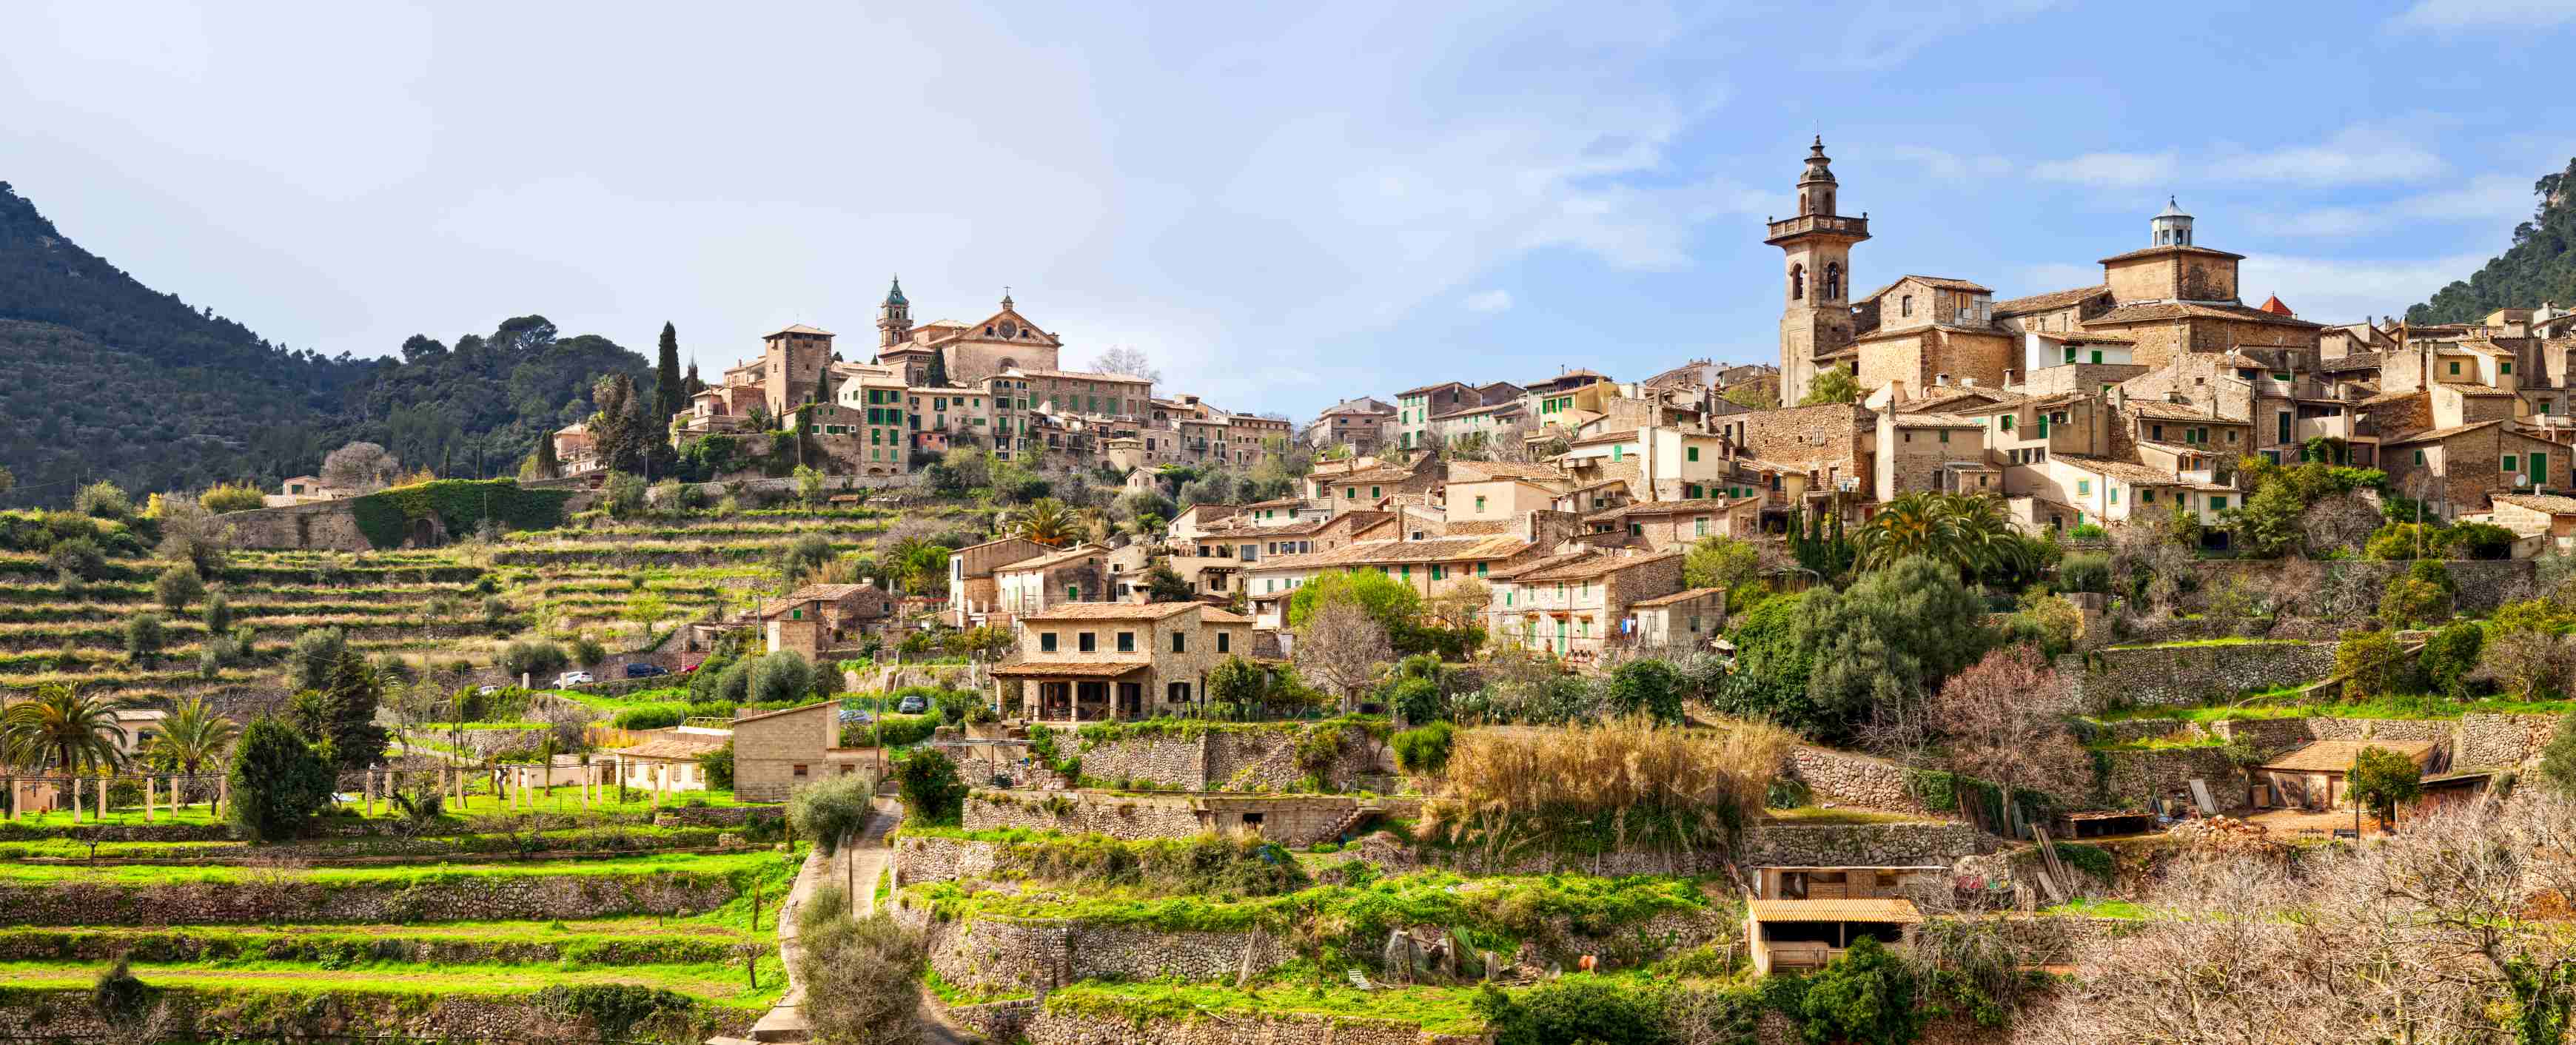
{"x": 2312, "y": 777}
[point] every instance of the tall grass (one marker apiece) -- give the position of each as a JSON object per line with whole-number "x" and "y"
{"x": 1624, "y": 785}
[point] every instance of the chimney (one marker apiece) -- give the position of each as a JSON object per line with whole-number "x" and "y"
{"x": 1967, "y": 382}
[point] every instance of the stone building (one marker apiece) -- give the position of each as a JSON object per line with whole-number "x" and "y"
{"x": 1576, "y": 604}
{"x": 776, "y": 752}
{"x": 974, "y": 593}
{"x": 1101, "y": 661}
{"x": 1076, "y": 574}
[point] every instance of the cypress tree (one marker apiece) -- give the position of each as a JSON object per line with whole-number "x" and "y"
{"x": 278, "y": 782}
{"x": 938, "y": 376}
{"x": 674, "y": 394}
{"x": 692, "y": 385}
{"x": 547, "y": 466}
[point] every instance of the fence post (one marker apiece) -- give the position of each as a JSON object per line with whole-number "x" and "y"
{"x": 147, "y": 798}
{"x": 76, "y": 799}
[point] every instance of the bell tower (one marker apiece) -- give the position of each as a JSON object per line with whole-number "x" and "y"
{"x": 894, "y": 317}
{"x": 1815, "y": 315}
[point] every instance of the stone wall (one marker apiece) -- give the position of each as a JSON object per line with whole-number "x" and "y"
{"x": 1015, "y": 954}
{"x": 1227, "y": 759}
{"x": 2484, "y": 584}
{"x": 1066, "y": 1025}
{"x": 1286, "y": 819}
{"x": 180, "y": 1014}
{"x": 241, "y": 901}
{"x": 1862, "y": 845}
{"x": 2168, "y": 771}
{"x": 2187, "y": 675}
{"x": 1845, "y": 779}
{"x": 2484, "y": 740}
{"x": 323, "y": 525}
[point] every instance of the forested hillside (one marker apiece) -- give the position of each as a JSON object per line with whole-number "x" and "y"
{"x": 113, "y": 380}
{"x": 2540, "y": 266}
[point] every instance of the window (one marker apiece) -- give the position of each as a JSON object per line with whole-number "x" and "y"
{"x": 1180, "y": 643}
{"x": 1945, "y": 435}
{"x": 1480, "y": 569}
{"x": 1126, "y": 642}
{"x": 2115, "y": 494}
{"x": 2419, "y": 457}
{"x": 2503, "y": 367}
{"x": 2008, "y": 422}
{"x": 1480, "y": 502}
{"x": 1177, "y": 692}
{"x": 1224, "y": 642}
{"x": 1905, "y": 305}
{"x": 1086, "y": 642}
{"x": 2512, "y": 463}
{"x": 2147, "y": 496}
{"x": 1374, "y": 494}
{"x": 1691, "y": 454}
{"x": 1702, "y": 527}
{"x": 800, "y": 771}
{"x": 2455, "y": 368}
{"x": 1350, "y": 493}
{"x": 2084, "y": 486}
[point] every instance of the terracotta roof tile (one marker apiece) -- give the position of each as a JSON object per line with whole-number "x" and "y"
{"x": 2052, "y": 300}
{"x": 2335, "y": 756}
{"x": 1678, "y": 597}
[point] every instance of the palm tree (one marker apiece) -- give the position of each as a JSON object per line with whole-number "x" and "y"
{"x": 192, "y": 737}
{"x": 1045, "y": 521}
{"x": 64, "y": 729}
{"x": 1964, "y": 531}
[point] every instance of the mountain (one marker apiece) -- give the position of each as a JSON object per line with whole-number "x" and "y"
{"x": 113, "y": 380}
{"x": 2539, "y": 267}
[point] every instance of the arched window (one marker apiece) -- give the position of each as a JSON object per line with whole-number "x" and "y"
{"x": 1797, "y": 282}
{"x": 1833, "y": 281}
{"x": 1905, "y": 305}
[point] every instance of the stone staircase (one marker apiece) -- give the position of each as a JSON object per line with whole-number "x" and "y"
{"x": 1351, "y": 821}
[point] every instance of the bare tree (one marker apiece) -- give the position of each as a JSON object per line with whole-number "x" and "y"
{"x": 360, "y": 467}
{"x": 1462, "y": 603}
{"x": 2006, "y": 718}
{"x": 1341, "y": 648}
{"x": 2523, "y": 661}
{"x": 2339, "y": 523}
{"x": 1128, "y": 360}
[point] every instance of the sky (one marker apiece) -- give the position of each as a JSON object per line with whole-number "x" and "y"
{"x": 1282, "y": 205}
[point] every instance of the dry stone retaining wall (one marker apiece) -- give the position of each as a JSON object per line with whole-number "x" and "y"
{"x": 1062, "y": 1025}
{"x": 2164, "y": 771}
{"x": 1862, "y": 845}
{"x": 2177, "y": 676}
{"x": 1221, "y": 759}
{"x": 2485, "y": 740}
{"x": 462, "y": 898}
{"x": 1845, "y": 779}
{"x": 183, "y": 1014}
{"x": 1013, "y": 954}
{"x": 1075, "y": 812}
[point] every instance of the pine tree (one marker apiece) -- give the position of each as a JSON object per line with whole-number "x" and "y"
{"x": 938, "y": 376}
{"x": 674, "y": 394}
{"x": 349, "y": 710}
{"x": 547, "y": 467}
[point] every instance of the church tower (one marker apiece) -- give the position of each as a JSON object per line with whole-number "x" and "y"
{"x": 1815, "y": 317}
{"x": 894, "y": 317}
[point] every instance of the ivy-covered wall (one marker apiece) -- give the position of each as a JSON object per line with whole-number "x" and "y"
{"x": 458, "y": 505}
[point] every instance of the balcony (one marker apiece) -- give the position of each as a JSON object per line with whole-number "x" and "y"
{"x": 1832, "y": 224}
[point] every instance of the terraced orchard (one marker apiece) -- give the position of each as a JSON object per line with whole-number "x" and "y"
{"x": 323, "y": 937}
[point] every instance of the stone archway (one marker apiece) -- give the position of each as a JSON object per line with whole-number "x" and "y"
{"x": 424, "y": 533}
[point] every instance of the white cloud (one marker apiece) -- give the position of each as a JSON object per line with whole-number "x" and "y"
{"x": 2359, "y": 154}
{"x": 1489, "y": 301}
{"x": 2487, "y": 14}
{"x": 1882, "y": 34}
{"x": 2113, "y": 169}
{"x": 2488, "y": 198}
{"x": 1950, "y": 166}
{"x": 2331, "y": 290}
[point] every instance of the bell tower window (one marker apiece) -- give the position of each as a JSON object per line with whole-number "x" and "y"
{"x": 1833, "y": 281}
{"x": 1797, "y": 282}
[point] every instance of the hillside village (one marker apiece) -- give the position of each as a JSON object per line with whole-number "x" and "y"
{"x": 2116, "y": 663}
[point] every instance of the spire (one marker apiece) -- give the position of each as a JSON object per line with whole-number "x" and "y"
{"x": 1006, "y": 299}
{"x": 894, "y": 294}
{"x": 1819, "y": 165}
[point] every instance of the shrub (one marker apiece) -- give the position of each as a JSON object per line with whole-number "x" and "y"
{"x": 2370, "y": 662}
{"x": 103, "y": 500}
{"x": 2380, "y": 779}
{"x": 535, "y": 658}
{"x": 309, "y": 661}
{"x": 718, "y": 765}
{"x": 2090, "y": 571}
{"x": 1424, "y": 750}
{"x": 219, "y": 614}
{"x": 782, "y": 676}
{"x": 623, "y": 495}
{"x": 2086, "y": 532}
{"x": 118, "y": 997}
{"x": 178, "y": 586}
{"x": 660, "y": 715}
{"x": 1593, "y": 786}
{"x": 1869, "y": 996}
{"x": 1576, "y": 1008}
{"x": 144, "y": 636}
{"x": 587, "y": 652}
{"x": 2415, "y": 599}
{"x": 932, "y": 792}
{"x": 2558, "y": 760}
{"x": 77, "y": 557}
{"x": 2450, "y": 655}
{"x": 2089, "y": 859}
{"x": 861, "y": 978}
{"x": 1647, "y": 687}
{"x": 1416, "y": 700}
{"x": 232, "y": 497}
{"x": 833, "y": 810}
{"x": 277, "y": 780}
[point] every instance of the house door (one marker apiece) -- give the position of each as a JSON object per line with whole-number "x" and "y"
{"x": 1561, "y": 625}
{"x": 2539, "y": 469}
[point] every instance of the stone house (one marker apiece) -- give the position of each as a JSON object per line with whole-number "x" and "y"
{"x": 2532, "y": 514}
{"x": 1932, "y": 452}
{"x": 1669, "y": 525}
{"x": 1576, "y": 604}
{"x": 1100, "y": 661}
{"x": 1076, "y": 574}
{"x": 1415, "y": 407}
{"x": 1927, "y": 331}
{"x": 2313, "y": 777}
{"x": 1363, "y": 424}
{"x": 776, "y": 752}
{"x": 1497, "y": 498}
{"x": 2457, "y": 468}
{"x": 1194, "y": 520}
{"x": 1345, "y": 490}
{"x": 577, "y": 450}
{"x": 1693, "y": 617}
{"x": 819, "y": 617}
{"x": 974, "y": 594}
{"x": 664, "y": 759}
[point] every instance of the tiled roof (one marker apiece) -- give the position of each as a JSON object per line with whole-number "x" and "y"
{"x": 2274, "y": 306}
{"x": 1929, "y": 420}
{"x": 1472, "y": 471}
{"x": 678, "y": 747}
{"x": 1888, "y": 909}
{"x": 2125, "y": 471}
{"x": 1084, "y": 375}
{"x": 834, "y": 704}
{"x": 2176, "y": 448}
{"x": 1677, "y": 597}
{"x": 1478, "y": 527}
{"x": 1684, "y": 507}
{"x": 2176, "y": 412}
{"x": 1425, "y": 389}
{"x": 1589, "y": 487}
{"x": 1391, "y": 553}
{"x": 1111, "y": 611}
{"x": 1939, "y": 397}
{"x": 1953, "y": 328}
{"x": 800, "y": 328}
{"x": 2550, "y": 503}
{"x": 2389, "y": 397}
{"x": 2051, "y": 300}
{"x": 1055, "y": 559}
{"x": 2335, "y": 756}
{"x": 2170, "y": 248}
{"x": 1619, "y": 435}
{"x": 1518, "y": 571}
{"x": 2085, "y": 337}
{"x": 1503, "y": 407}
{"x": 1279, "y": 502}
{"x": 1943, "y": 282}
{"x": 2432, "y": 435}
{"x": 1590, "y": 565}
{"x": 2187, "y": 310}
{"x": 1106, "y": 669}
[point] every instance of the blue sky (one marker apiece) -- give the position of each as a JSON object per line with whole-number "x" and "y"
{"x": 1283, "y": 206}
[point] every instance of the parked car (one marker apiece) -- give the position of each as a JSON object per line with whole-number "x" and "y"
{"x": 486, "y": 691}
{"x": 641, "y": 670}
{"x": 574, "y": 678}
{"x": 913, "y": 704}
